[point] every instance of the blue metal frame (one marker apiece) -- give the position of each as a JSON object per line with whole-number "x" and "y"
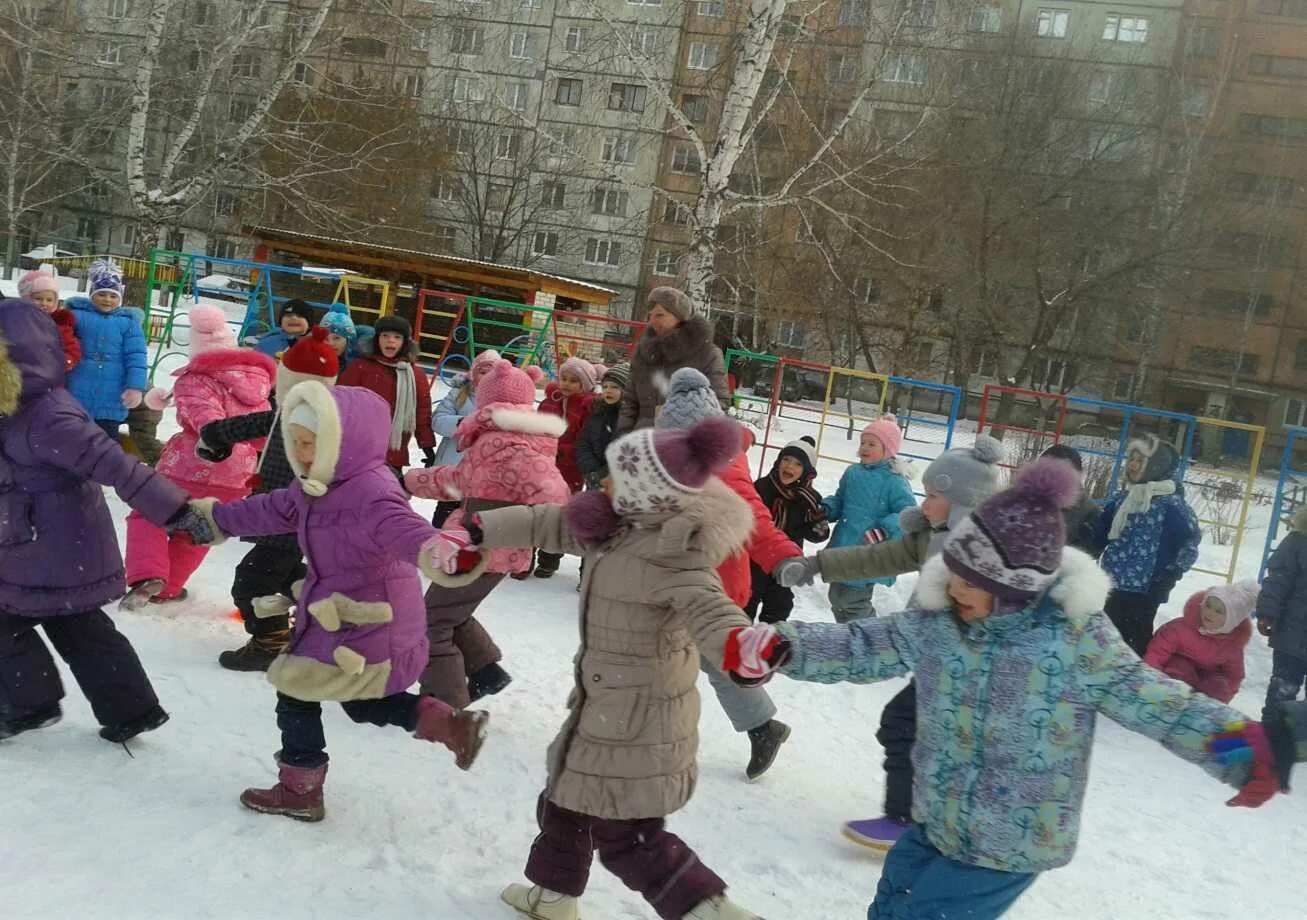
{"x": 261, "y": 289}
{"x": 1128, "y": 414}
{"x": 1293, "y": 434}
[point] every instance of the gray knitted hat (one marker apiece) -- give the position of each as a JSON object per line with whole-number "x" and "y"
{"x": 689, "y": 400}
{"x": 966, "y": 476}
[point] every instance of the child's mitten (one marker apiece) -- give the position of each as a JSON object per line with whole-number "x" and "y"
{"x": 1244, "y": 743}
{"x": 132, "y": 398}
{"x": 875, "y": 535}
{"x": 752, "y": 653}
{"x": 207, "y": 448}
{"x": 158, "y": 399}
{"x": 428, "y": 457}
{"x": 198, "y": 526}
{"x": 796, "y": 571}
{"x": 451, "y": 551}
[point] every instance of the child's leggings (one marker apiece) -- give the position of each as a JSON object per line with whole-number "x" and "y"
{"x": 642, "y": 853}
{"x": 154, "y": 553}
{"x": 920, "y": 883}
{"x": 303, "y": 743}
{"x": 103, "y": 663}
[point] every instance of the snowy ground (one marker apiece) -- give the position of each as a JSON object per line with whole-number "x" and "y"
{"x": 89, "y": 832}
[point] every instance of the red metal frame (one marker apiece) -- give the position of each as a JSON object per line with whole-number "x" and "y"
{"x": 423, "y": 295}
{"x": 1039, "y": 396}
{"x": 636, "y": 328}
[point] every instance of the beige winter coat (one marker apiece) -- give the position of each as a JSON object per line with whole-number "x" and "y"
{"x": 648, "y": 597}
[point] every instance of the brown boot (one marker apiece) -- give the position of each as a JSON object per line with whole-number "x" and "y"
{"x": 256, "y": 654}
{"x": 298, "y": 794}
{"x": 463, "y": 731}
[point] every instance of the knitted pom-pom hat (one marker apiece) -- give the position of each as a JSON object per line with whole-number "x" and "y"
{"x": 1011, "y": 546}
{"x": 104, "y": 275}
{"x": 209, "y": 329}
{"x": 310, "y": 358}
{"x": 37, "y": 282}
{"x": 689, "y": 400}
{"x": 966, "y": 476}
{"x": 654, "y": 471}
{"x": 886, "y": 430}
{"x": 482, "y": 364}
{"x": 338, "y": 321}
{"x": 504, "y": 383}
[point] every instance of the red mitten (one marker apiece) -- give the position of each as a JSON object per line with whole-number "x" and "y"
{"x": 1245, "y": 742}
{"x": 753, "y": 652}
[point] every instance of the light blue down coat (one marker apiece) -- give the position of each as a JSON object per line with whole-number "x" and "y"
{"x": 445, "y": 418}
{"x": 113, "y": 359}
{"x": 870, "y": 495}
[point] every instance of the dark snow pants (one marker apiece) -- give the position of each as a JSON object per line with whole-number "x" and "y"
{"x": 102, "y": 661}
{"x": 897, "y": 734}
{"x": 268, "y": 568}
{"x": 143, "y": 427}
{"x": 1288, "y": 675}
{"x": 642, "y": 853}
{"x": 776, "y": 601}
{"x": 1133, "y": 615}
{"x": 460, "y": 645}
{"x": 303, "y": 743}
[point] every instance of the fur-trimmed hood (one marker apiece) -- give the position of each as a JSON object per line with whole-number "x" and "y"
{"x": 711, "y": 527}
{"x": 247, "y": 374}
{"x": 673, "y": 349}
{"x": 1079, "y": 589}
{"x": 353, "y": 428}
{"x": 508, "y": 417}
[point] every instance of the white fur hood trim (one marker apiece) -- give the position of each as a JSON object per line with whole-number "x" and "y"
{"x": 528, "y": 421}
{"x": 1080, "y": 590}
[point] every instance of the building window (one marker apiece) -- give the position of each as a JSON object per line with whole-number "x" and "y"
{"x": 790, "y": 334}
{"x": 468, "y": 89}
{"x": 694, "y": 108}
{"x": 1300, "y": 356}
{"x": 644, "y": 2}
{"x": 221, "y": 249}
{"x": 1288, "y": 68}
{"x": 1203, "y": 42}
{"x": 667, "y": 263}
{"x": 414, "y": 83}
{"x": 445, "y": 237}
{"x": 920, "y": 13}
{"x": 86, "y": 229}
{"x": 852, "y": 12}
{"x": 575, "y": 37}
{"x": 985, "y": 19}
{"x": 224, "y": 204}
{"x": 544, "y": 244}
{"x": 626, "y": 97}
{"x": 1133, "y": 30}
{"x": 203, "y": 14}
{"x": 365, "y": 47}
{"x": 609, "y": 202}
{"x": 1123, "y": 387}
{"x": 711, "y": 9}
{"x": 645, "y": 41}
{"x": 301, "y": 74}
{"x": 520, "y": 46}
{"x": 515, "y": 96}
{"x": 675, "y": 213}
{"x": 1272, "y": 188}
{"x": 1273, "y": 126}
{"x": 530, "y": 4}
{"x": 617, "y": 150}
{"x": 1053, "y": 23}
{"x": 1197, "y": 100}
{"x": 552, "y": 194}
{"x": 703, "y": 56}
{"x": 444, "y": 189}
{"x": 840, "y": 68}
{"x": 567, "y": 91}
{"x": 685, "y": 161}
{"x": 110, "y": 53}
{"x": 902, "y": 67}
{"x": 466, "y": 40}
{"x": 1221, "y": 361}
{"x": 1224, "y": 300}
{"x": 240, "y": 109}
{"x": 600, "y": 251}
{"x": 118, "y": 9}
{"x": 1294, "y": 8}
{"x": 508, "y": 146}
{"x": 497, "y": 195}
{"x": 419, "y": 40}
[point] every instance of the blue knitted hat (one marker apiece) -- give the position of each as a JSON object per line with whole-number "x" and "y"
{"x": 104, "y": 275}
{"x": 337, "y": 320}
{"x": 689, "y": 400}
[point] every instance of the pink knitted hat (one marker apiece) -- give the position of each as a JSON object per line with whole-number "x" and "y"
{"x": 654, "y": 471}
{"x": 209, "y": 329}
{"x": 886, "y": 430}
{"x": 504, "y": 383}
{"x": 589, "y": 374}
{"x": 482, "y": 364}
{"x": 36, "y": 281}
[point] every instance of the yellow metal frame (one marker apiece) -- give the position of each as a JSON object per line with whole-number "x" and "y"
{"x": 826, "y": 412}
{"x": 1249, "y": 484}
{"x": 387, "y": 294}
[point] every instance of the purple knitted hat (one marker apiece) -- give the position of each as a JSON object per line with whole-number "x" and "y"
{"x": 656, "y": 470}
{"x": 1011, "y": 546}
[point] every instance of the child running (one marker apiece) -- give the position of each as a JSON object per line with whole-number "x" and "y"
{"x": 797, "y": 510}
{"x": 42, "y": 289}
{"x": 650, "y": 601}
{"x": 220, "y": 380}
{"x": 1204, "y": 647}
{"x": 1014, "y": 663}
{"x": 570, "y": 398}
{"x": 359, "y": 637}
{"x": 111, "y": 377}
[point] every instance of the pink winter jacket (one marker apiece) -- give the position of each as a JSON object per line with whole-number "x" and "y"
{"x": 1212, "y": 665}
{"x": 508, "y": 458}
{"x": 214, "y": 385}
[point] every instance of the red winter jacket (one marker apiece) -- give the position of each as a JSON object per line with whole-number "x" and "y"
{"x": 67, "y": 324}
{"x": 767, "y": 545}
{"x": 378, "y": 375}
{"x": 1212, "y": 665}
{"x": 574, "y": 410}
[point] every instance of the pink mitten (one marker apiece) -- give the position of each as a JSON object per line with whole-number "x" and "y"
{"x": 132, "y": 398}
{"x": 451, "y": 552}
{"x": 157, "y": 398}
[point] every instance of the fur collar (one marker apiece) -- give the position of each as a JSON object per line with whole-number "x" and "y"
{"x": 224, "y": 359}
{"x": 1080, "y": 590}
{"x": 526, "y": 421}
{"x": 11, "y": 382}
{"x": 673, "y": 348}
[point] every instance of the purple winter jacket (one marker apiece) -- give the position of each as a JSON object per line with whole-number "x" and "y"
{"x": 364, "y": 635}
{"x": 58, "y": 550}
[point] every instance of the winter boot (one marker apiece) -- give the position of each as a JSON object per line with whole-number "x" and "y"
{"x": 256, "y": 654}
{"x": 463, "y": 731}
{"x": 766, "y": 741}
{"x": 298, "y": 794}
{"x": 487, "y": 681}
{"x": 876, "y": 833}
{"x": 544, "y": 571}
{"x": 123, "y": 732}
{"x": 161, "y": 599}
{"x": 721, "y": 908}
{"x": 541, "y": 903}
{"x": 141, "y": 593}
{"x": 37, "y": 718}
{"x": 520, "y": 576}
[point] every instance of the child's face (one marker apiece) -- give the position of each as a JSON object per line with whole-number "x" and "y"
{"x": 1213, "y": 614}
{"x": 389, "y": 344}
{"x": 1134, "y": 467}
{"x": 870, "y": 449}
{"x": 48, "y": 301}
{"x": 970, "y": 603}
{"x": 338, "y": 343}
{"x": 612, "y": 394}
{"x": 570, "y": 384}
{"x": 789, "y": 470}
{"x": 293, "y": 324}
{"x": 303, "y": 445}
{"x": 936, "y": 508}
{"x": 104, "y": 301}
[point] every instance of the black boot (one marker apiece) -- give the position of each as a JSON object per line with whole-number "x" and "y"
{"x": 766, "y": 741}
{"x": 256, "y": 654}
{"x": 38, "y": 718}
{"x": 126, "y": 731}
{"x": 487, "y": 681}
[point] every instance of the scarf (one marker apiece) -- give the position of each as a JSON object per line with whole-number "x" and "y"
{"x": 404, "y": 420}
{"x": 785, "y": 498}
{"x": 1138, "y": 499}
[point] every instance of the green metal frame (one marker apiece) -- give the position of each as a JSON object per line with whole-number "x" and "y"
{"x": 744, "y": 354}
{"x": 528, "y": 345}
